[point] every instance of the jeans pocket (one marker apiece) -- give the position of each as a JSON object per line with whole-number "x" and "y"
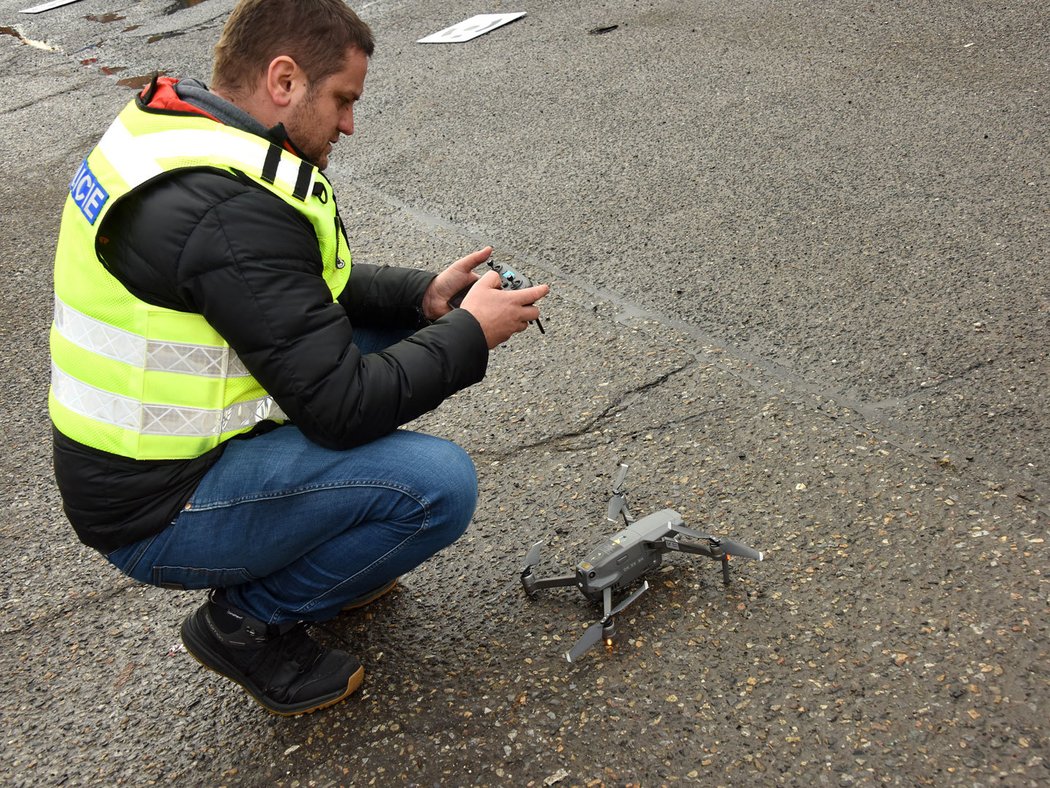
{"x": 190, "y": 577}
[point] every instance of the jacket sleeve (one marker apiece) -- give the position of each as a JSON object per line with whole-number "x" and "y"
{"x": 384, "y": 296}
{"x": 249, "y": 264}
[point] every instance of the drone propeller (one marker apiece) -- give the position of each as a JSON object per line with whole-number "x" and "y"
{"x": 531, "y": 583}
{"x": 732, "y": 547}
{"x": 729, "y": 546}
{"x": 532, "y": 557}
{"x": 618, "y": 501}
{"x": 584, "y": 644}
{"x": 593, "y": 634}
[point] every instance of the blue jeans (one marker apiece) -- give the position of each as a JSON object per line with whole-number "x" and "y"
{"x": 293, "y": 531}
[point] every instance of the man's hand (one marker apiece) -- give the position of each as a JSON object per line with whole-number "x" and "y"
{"x": 501, "y": 313}
{"x": 453, "y": 280}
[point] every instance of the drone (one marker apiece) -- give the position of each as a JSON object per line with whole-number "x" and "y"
{"x": 613, "y": 566}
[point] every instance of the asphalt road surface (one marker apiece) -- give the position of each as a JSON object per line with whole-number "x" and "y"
{"x": 798, "y": 257}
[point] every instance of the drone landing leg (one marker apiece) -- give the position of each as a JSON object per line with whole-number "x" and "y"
{"x": 698, "y": 549}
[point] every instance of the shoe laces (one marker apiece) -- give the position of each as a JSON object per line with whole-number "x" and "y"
{"x": 294, "y": 646}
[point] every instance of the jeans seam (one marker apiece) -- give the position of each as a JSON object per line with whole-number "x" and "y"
{"x": 303, "y": 490}
{"x": 207, "y": 569}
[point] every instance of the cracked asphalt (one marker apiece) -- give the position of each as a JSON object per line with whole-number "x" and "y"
{"x": 798, "y": 264}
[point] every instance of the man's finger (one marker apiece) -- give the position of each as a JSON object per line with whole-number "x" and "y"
{"x": 530, "y": 295}
{"x": 474, "y": 259}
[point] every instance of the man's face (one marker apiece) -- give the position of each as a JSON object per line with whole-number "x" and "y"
{"x": 326, "y": 109}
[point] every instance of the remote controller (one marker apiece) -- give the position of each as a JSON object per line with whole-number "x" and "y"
{"x": 509, "y": 279}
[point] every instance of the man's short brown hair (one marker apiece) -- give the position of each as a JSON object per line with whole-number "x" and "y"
{"x": 316, "y": 34}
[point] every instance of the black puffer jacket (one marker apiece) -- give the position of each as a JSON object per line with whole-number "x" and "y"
{"x": 207, "y": 242}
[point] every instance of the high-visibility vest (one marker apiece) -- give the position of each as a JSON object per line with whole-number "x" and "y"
{"x": 139, "y": 380}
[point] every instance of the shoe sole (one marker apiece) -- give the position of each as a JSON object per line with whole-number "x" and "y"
{"x": 199, "y": 650}
{"x": 370, "y": 598}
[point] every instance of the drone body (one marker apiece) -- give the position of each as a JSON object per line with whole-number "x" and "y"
{"x": 618, "y": 562}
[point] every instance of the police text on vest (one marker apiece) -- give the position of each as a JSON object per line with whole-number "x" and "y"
{"x": 88, "y": 193}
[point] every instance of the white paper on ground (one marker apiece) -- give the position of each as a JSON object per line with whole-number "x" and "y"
{"x": 46, "y": 6}
{"x": 470, "y": 28}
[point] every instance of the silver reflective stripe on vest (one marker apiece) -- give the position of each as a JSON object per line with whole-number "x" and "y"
{"x": 208, "y": 361}
{"x": 157, "y": 419}
{"x": 138, "y": 158}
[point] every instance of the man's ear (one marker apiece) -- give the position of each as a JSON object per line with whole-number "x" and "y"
{"x": 285, "y": 81}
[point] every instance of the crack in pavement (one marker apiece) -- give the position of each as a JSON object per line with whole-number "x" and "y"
{"x": 617, "y": 406}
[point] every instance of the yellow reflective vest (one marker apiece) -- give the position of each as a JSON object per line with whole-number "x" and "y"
{"x": 139, "y": 380}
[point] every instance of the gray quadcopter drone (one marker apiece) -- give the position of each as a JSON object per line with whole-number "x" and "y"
{"x": 617, "y": 562}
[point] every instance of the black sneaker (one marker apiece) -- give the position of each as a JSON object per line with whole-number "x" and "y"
{"x": 282, "y": 667}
